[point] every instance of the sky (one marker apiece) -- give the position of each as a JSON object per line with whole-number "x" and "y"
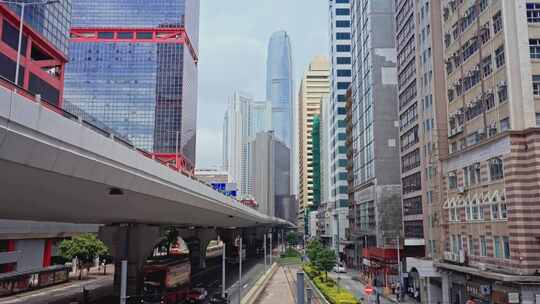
{"x": 233, "y": 39}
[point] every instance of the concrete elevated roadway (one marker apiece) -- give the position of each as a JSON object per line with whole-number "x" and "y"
{"x": 56, "y": 167}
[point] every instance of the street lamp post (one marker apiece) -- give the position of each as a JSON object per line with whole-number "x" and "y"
{"x": 23, "y": 5}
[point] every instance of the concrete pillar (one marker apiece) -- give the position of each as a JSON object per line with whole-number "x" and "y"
{"x": 131, "y": 242}
{"x": 445, "y": 288}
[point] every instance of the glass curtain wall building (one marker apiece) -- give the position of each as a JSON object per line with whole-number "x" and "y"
{"x": 279, "y": 85}
{"x": 43, "y": 47}
{"x": 133, "y": 65}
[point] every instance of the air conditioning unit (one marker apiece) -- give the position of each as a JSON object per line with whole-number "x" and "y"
{"x": 461, "y": 189}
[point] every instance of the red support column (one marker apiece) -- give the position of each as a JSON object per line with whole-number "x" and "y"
{"x": 47, "y": 253}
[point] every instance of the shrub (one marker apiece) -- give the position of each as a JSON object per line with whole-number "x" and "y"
{"x": 328, "y": 288}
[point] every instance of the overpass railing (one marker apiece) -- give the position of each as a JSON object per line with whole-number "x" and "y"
{"x": 92, "y": 125}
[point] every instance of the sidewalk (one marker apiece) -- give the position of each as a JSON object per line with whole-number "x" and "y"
{"x": 277, "y": 290}
{"x": 97, "y": 284}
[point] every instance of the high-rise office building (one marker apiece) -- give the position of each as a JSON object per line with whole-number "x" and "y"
{"x": 279, "y": 85}
{"x": 423, "y": 131}
{"x": 489, "y": 220}
{"x": 375, "y": 213}
{"x": 315, "y": 85}
{"x": 269, "y": 175}
{"x": 243, "y": 119}
{"x": 133, "y": 65}
{"x": 340, "y": 57}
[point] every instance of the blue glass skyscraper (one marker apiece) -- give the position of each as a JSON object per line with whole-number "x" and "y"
{"x": 133, "y": 65}
{"x": 279, "y": 85}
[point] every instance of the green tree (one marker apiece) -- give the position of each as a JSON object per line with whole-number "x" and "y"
{"x": 85, "y": 248}
{"x": 313, "y": 250}
{"x": 325, "y": 261}
{"x": 292, "y": 238}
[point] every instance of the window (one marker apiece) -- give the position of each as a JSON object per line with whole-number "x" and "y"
{"x": 504, "y": 211}
{"x": 533, "y": 12}
{"x": 344, "y": 60}
{"x": 538, "y": 119}
{"x": 412, "y": 183}
{"x": 343, "y": 48}
{"x": 499, "y": 56}
{"x": 105, "y": 35}
{"x": 506, "y": 247}
{"x": 472, "y": 174}
{"x": 486, "y": 66}
{"x": 470, "y": 247}
{"x": 410, "y": 161}
{"x": 455, "y": 245}
{"x": 505, "y": 124}
{"x": 344, "y": 73}
{"x": 144, "y": 35}
{"x": 342, "y": 1}
{"x": 496, "y": 168}
{"x": 343, "y": 11}
{"x": 343, "y": 85}
{"x": 125, "y": 35}
{"x": 497, "y": 23}
{"x": 343, "y": 36}
{"x": 495, "y": 211}
{"x": 10, "y": 35}
{"x": 343, "y": 23}
{"x": 497, "y": 250}
{"x": 534, "y": 48}
{"x": 452, "y": 180}
{"x": 502, "y": 91}
{"x": 536, "y": 85}
{"x": 483, "y": 246}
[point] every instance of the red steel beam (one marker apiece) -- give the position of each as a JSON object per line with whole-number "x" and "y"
{"x": 154, "y": 35}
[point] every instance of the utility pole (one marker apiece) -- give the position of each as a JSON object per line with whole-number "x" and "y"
{"x": 240, "y": 263}
{"x": 223, "y": 262}
{"x": 264, "y": 245}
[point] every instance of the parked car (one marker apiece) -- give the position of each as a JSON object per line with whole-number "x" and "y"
{"x": 197, "y": 295}
{"x": 339, "y": 269}
{"x": 218, "y": 299}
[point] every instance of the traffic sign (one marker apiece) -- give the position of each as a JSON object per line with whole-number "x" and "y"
{"x": 368, "y": 290}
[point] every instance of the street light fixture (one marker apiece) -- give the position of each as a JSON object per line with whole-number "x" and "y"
{"x": 23, "y": 5}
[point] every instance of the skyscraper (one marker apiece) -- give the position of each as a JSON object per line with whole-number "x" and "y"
{"x": 340, "y": 56}
{"x": 314, "y": 87}
{"x": 279, "y": 85}
{"x": 375, "y": 213}
{"x": 133, "y": 65}
{"x": 243, "y": 119}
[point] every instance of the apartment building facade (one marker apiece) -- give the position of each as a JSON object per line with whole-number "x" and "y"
{"x": 423, "y": 138}
{"x": 491, "y": 250}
